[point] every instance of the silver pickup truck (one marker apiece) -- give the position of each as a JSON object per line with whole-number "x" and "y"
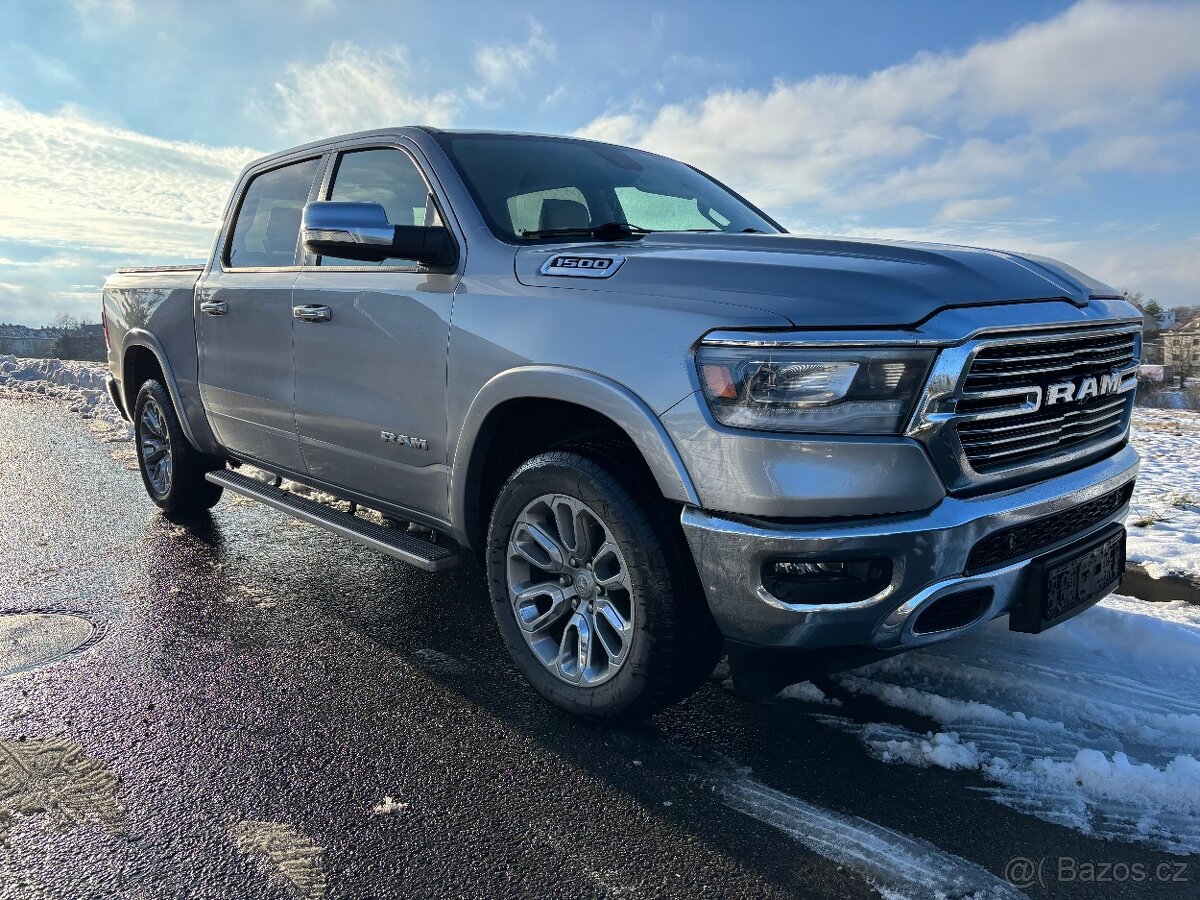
{"x": 664, "y": 426}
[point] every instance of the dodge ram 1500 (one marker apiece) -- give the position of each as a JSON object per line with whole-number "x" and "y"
{"x": 664, "y": 426}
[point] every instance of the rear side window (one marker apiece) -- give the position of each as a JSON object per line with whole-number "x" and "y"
{"x": 268, "y": 222}
{"x": 391, "y": 179}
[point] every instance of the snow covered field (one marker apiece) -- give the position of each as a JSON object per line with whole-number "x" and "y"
{"x": 1094, "y": 725}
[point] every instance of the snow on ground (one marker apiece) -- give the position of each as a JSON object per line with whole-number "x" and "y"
{"x": 1094, "y": 724}
{"x": 1164, "y": 524}
{"x": 77, "y": 385}
{"x": 900, "y": 867}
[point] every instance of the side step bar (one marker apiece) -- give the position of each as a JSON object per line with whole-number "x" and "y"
{"x": 405, "y": 547}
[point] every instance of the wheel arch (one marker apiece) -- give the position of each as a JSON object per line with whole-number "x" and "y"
{"x": 572, "y": 389}
{"x": 141, "y": 355}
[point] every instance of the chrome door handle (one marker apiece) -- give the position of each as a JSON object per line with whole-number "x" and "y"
{"x": 312, "y": 313}
{"x": 214, "y": 308}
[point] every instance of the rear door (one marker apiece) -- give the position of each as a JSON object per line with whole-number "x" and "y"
{"x": 244, "y": 317}
{"x": 371, "y": 379}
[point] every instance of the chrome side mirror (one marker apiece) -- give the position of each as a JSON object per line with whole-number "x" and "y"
{"x": 361, "y": 231}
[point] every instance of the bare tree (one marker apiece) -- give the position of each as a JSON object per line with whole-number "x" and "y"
{"x": 1182, "y": 352}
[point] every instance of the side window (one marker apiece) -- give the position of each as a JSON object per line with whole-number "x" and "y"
{"x": 268, "y": 222}
{"x": 563, "y": 207}
{"x": 387, "y": 177}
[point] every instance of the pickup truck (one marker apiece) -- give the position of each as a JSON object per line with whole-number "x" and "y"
{"x": 666, "y": 428}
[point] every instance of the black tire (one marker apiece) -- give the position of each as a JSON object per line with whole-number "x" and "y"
{"x": 184, "y": 492}
{"x": 675, "y": 643}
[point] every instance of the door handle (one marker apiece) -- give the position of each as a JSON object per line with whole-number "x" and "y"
{"x": 312, "y": 313}
{"x": 214, "y": 308}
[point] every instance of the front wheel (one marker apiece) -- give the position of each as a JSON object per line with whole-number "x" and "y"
{"x": 592, "y": 590}
{"x": 172, "y": 469}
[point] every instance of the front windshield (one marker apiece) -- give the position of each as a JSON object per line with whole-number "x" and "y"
{"x": 529, "y": 188}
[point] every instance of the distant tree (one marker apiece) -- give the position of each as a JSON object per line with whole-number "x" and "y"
{"x": 78, "y": 339}
{"x": 1134, "y": 297}
{"x": 1152, "y": 308}
{"x": 1182, "y": 352}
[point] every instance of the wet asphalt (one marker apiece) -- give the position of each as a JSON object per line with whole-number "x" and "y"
{"x": 256, "y": 687}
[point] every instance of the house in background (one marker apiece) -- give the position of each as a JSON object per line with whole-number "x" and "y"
{"x": 20, "y": 340}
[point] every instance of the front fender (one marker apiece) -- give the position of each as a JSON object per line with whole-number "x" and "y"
{"x": 612, "y": 400}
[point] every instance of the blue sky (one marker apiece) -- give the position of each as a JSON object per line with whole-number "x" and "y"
{"x": 1067, "y": 129}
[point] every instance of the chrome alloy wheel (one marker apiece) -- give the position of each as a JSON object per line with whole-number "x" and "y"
{"x": 154, "y": 446}
{"x": 569, "y": 587}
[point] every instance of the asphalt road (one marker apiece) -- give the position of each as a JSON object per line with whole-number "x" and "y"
{"x": 254, "y": 688}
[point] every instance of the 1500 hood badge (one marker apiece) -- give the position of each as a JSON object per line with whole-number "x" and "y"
{"x": 583, "y": 266}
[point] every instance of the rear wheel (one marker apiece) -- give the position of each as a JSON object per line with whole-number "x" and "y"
{"x": 172, "y": 469}
{"x": 592, "y": 590}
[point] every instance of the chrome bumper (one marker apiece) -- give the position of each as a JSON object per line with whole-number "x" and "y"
{"x": 928, "y": 551}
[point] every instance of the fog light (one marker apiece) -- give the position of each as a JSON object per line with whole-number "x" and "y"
{"x": 811, "y": 581}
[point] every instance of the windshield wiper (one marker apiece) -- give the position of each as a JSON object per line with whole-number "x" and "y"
{"x": 608, "y": 229}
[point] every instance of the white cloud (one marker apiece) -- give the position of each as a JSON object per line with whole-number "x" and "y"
{"x": 973, "y": 208}
{"x": 80, "y": 196}
{"x": 352, "y": 89}
{"x": 71, "y": 181}
{"x": 500, "y": 65}
{"x": 849, "y": 142}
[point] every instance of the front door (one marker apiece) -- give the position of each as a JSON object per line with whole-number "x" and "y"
{"x": 244, "y": 319}
{"x": 371, "y": 378}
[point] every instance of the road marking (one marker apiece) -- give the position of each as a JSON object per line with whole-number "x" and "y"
{"x": 898, "y": 866}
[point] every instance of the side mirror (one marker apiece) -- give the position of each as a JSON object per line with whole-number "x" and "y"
{"x": 362, "y": 231}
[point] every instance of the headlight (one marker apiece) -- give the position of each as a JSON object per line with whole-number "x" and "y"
{"x": 851, "y": 391}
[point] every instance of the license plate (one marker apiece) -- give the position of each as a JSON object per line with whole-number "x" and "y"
{"x": 1066, "y": 583}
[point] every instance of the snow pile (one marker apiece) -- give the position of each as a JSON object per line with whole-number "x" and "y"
{"x": 77, "y": 385}
{"x": 808, "y": 692}
{"x": 1094, "y": 725}
{"x": 1164, "y": 524}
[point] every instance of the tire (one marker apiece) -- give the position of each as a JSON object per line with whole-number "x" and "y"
{"x": 631, "y": 582}
{"x": 178, "y": 488}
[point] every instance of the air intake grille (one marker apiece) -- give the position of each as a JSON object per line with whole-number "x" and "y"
{"x": 1030, "y": 538}
{"x": 995, "y": 443}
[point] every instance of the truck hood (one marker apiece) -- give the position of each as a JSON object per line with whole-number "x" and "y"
{"x": 838, "y": 282}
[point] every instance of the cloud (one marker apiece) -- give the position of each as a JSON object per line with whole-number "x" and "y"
{"x": 501, "y": 65}
{"x": 352, "y": 89}
{"x": 940, "y": 128}
{"x": 973, "y": 208}
{"x": 80, "y": 196}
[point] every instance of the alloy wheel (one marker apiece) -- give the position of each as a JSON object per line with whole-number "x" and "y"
{"x": 154, "y": 447}
{"x": 569, "y": 586}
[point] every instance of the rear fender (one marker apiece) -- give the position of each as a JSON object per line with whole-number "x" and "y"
{"x": 194, "y": 421}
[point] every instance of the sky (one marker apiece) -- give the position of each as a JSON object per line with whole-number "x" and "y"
{"x": 1067, "y": 129}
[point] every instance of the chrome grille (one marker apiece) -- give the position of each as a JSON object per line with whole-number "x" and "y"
{"x": 1002, "y": 421}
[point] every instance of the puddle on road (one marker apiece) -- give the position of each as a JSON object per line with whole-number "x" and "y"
{"x": 34, "y": 639}
{"x": 30, "y": 640}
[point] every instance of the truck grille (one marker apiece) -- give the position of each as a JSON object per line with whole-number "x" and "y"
{"x": 1032, "y": 537}
{"x": 1015, "y": 437}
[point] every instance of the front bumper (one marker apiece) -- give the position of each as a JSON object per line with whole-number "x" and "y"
{"x": 928, "y": 550}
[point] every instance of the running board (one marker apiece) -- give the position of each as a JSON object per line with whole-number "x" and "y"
{"x": 405, "y": 547}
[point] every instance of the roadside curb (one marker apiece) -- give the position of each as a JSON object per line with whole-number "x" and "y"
{"x": 1140, "y": 584}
